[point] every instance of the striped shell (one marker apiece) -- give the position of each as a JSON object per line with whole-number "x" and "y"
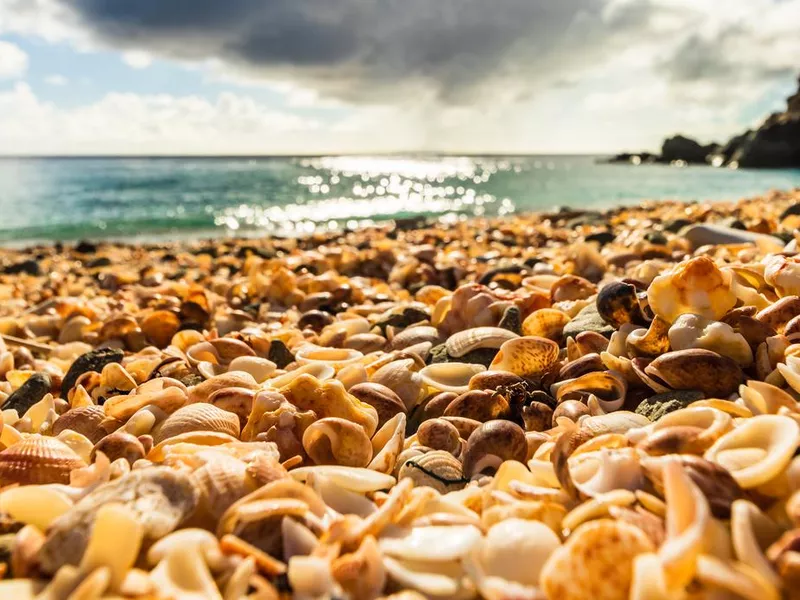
{"x": 87, "y": 421}
{"x": 526, "y": 356}
{"x": 36, "y": 460}
{"x": 468, "y": 340}
{"x": 197, "y": 417}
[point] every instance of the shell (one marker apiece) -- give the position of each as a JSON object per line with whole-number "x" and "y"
{"x": 696, "y": 286}
{"x": 437, "y": 469}
{"x": 546, "y": 322}
{"x": 652, "y": 341}
{"x": 758, "y": 450}
{"x": 415, "y": 335}
{"x": 693, "y": 331}
{"x": 87, "y": 420}
{"x": 596, "y": 562}
{"x": 696, "y": 369}
{"x": 607, "y": 386}
{"x": 334, "y": 357}
{"x": 450, "y": 377}
{"x": 197, "y": 417}
{"x": 387, "y": 444}
{"x": 350, "y": 478}
{"x": 466, "y": 341}
{"x": 38, "y": 459}
{"x": 334, "y": 441}
{"x": 400, "y": 377}
{"x": 618, "y": 304}
{"x": 432, "y": 543}
{"x": 783, "y": 274}
{"x": 526, "y": 356}
{"x": 381, "y": 398}
{"x": 493, "y": 443}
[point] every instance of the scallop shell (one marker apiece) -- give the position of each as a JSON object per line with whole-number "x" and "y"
{"x": 38, "y": 459}
{"x": 86, "y": 420}
{"x": 197, "y": 417}
{"x": 450, "y": 376}
{"x": 526, "y": 356}
{"x": 468, "y": 340}
{"x": 758, "y": 450}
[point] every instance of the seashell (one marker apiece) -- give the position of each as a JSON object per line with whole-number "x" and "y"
{"x": 90, "y": 421}
{"x": 168, "y": 399}
{"x": 652, "y": 341}
{"x": 334, "y": 441}
{"x": 752, "y": 532}
{"x": 381, "y": 398}
{"x": 694, "y": 331}
{"x": 387, "y": 444}
{"x": 526, "y": 356}
{"x": 450, "y": 377}
{"x": 546, "y": 322}
{"x": 221, "y": 481}
{"x": 365, "y": 342}
{"x": 183, "y": 573}
{"x": 333, "y": 357}
{"x": 570, "y": 409}
{"x": 238, "y": 401}
{"x": 350, "y": 478}
{"x": 415, "y": 335}
{"x": 437, "y": 469}
{"x": 696, "y": 369}
{"x": 734, "y": 578}
{"x": 696, "y": 286}
{"x": 160, "y": 327}
{"x": 791, "y": 371}
{"x": 595, "y": 562}
{"x": 329, "y": 399}
{"x": 491, "y": 444}
{"x": 762, "y": 398}
{"x": 94, "y": 361}
{"x": 232, "y": 379}
{"x": 361, "y": 573}
{"x": 38, "y": 459}
{"x": 606, "y": 470}
{"x": 758, "y": 450}
{"x": 115, "y": 542}
{"x": 197, "y": 417}
{"x": 400, "y": 377}
{"x": 783, "y": 274}
{"x": 34, "y": 505}
{"x": 618, "y": 304}
{"x": 607, "y": 386}
{"x": 439, "y": 434}
{"x": 119, "y": 445}
{"x": 466, "y": 341}
{"x": 778, "y": 315}
{"x": 260, "y": 368}
{"x": 689, "y": 430}
{"x": 478, "y": 405}
{"x": 432, "y": 543}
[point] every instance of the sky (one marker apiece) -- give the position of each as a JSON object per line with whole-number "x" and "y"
{"x": 358, "y": 76}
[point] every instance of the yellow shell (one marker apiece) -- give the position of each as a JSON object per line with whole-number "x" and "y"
{"x": 197, "y": 417}
{"x": 526, "y": 356}
{"x": 545, "y": 322}
{"x": 38, "y": 459}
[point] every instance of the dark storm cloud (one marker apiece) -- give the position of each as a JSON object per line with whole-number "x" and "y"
{"x": 352, "y": 47}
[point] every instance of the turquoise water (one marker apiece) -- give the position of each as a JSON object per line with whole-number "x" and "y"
{"x": 69, "y": 199}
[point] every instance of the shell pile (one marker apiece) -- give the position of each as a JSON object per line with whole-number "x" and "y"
{"x": 560, "y": 406}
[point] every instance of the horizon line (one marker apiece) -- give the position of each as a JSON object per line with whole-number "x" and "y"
{"x": 311, "y": 155}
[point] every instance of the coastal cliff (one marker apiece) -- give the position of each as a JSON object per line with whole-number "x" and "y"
{"x": 774, "y": 144}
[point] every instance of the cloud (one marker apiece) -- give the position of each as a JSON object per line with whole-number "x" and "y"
{"x": 13, "y": 61}
{"x": 57, "y": 80}
{"x": 136, "y": 59}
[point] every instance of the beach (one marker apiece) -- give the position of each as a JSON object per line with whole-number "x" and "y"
{"x": 574, "y": 403}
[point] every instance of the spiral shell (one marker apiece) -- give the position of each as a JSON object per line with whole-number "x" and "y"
{"x": 197, "y": 417}
{"x": 38, "y": 459}
{"x": 334, "y": 441}
{"x": 437, "y": 469}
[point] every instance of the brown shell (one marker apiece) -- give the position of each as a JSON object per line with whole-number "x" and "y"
{"x": 197, "y": 417}
{"x": 715, "y": 375}
{"x": 160, "y": 326}
{"x": 90, "y": 421}
{"x": 38, "y": 459}
{"x": 481, "y": 405}
{"x": 381, "y": 398}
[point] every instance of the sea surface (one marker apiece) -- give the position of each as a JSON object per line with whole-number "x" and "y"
{"x": 47, "y": 199}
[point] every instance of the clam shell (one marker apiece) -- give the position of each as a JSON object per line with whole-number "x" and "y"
{"x": 437, "y": 469}
{"x": 435, "y": 543}
{"x": 696, "y": 369}
{"x": 468, "y": 340}
{"x": 197, "y": 417}
{"x": 350, "y": 478}
{"x": 38, "y": 459}
{"x": 86, "y": 420}
{"x": 415, "y": 335}
{"x": 450, "y": 377}
{"x": 758, "y": 450}
{"x": 334, "y": 357}
{"x": 526, "y": 356}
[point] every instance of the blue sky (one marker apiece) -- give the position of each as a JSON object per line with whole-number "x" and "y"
{"x": 307, "y": 76}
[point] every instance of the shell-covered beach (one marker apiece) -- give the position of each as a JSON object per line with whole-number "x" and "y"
{"x": 563, "y": 406}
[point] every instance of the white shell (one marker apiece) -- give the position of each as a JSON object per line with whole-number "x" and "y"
{"x": 461, "y": 343}
{"x": 450, "y": 377}
{"x": 350, "y": 478}
{"x": 434, "y": 543}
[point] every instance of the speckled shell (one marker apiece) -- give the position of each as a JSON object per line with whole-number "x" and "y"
{"x": 36, "y": 460}
{"x": 526, "y": 356}
{"x": 197, "y": 417}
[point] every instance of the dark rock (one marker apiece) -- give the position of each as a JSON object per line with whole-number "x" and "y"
{"x": 686, "y": 149}
{"x": 776, "y": 144}
{"x": 601, "y": 237}
{"x": 656, "y": 238}
{"x": 481, "y": 356}
{"x": 91, "y": 361}
{"x": 279, "y": 354}
{"x": 85, "y": 247}
{"x": 587, "y": 218}
{"x": 29, "y": 267}
{"x": 100, "y": 261}
{"x": 512, "y": 320}
{"x": 675, "y": 225}
{"x": 29, "y": 393}
{"x": 403, "y": 318}
{"x": 659, "y": 405}
{"x": 633, "y": 158}
{"x": 588, "y": 320}
{"x": 732, "y": 223}
{"x": 487, "y": 277}
{"x": 315, "y": 319}
{"x": 793, "y": 209}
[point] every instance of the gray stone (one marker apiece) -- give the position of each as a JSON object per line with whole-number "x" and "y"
{"x": 659, "y": 405}
{"x": 588, "y": 320}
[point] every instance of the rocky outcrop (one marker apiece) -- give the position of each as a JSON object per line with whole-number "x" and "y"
{"x": 775, "y": 144}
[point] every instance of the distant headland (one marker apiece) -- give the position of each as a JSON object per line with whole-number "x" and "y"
{"x": 774, "y": 144}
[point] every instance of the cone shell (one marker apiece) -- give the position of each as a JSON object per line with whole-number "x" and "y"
{"x": 526, "y": 356}
{"x": 197, "y": 417}
{"x": 38, "y": 459}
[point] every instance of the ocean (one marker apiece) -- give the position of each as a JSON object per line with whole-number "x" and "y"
{"x": 50, "y": 199}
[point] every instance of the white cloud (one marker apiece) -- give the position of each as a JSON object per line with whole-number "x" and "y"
{"x": 56, "y": 80}
{"x": 137, "y": 59}
{"x": 13, "y": 61}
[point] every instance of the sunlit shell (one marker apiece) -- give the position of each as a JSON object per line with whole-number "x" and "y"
{"x": 38, "y": 459}
{"x": 159, "y": 327}
{"x": 694, "y": 331}
{"x": 526, "y": 356}
{"x": 167, "y": 399}
{"x": 607, "y": 386}
{"x": 387, "y": 443}
{"x": 596, "y": 562}
{"x": 696, "y": 286}
{"x": 437, "y": 469}
{"x": 197, "y": 417}
{"x": 758, "y": 450}
{"x": 401, "y": 377}
{"x": 415, "y": 335}
{"x": 34, "y": 505}
{"x": 493, "y": 443}
{"x": 260, "y": 368}
{"x": 450, "y": 376}
{"x": 752, "y": 532}
{"x": 115, "y": 542}
{"x": 335, "y": 357}
{"x": 334, "y": 441}
{"x": 603, "y": 471}
{"x": 355, "y": 479}
{"x": 783, "y": 274}
{"x": 546, "y": 322}
{"x": 432, "y": 543}
{"x": 88, "y": 420}
{"x": 652, "y": 341}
